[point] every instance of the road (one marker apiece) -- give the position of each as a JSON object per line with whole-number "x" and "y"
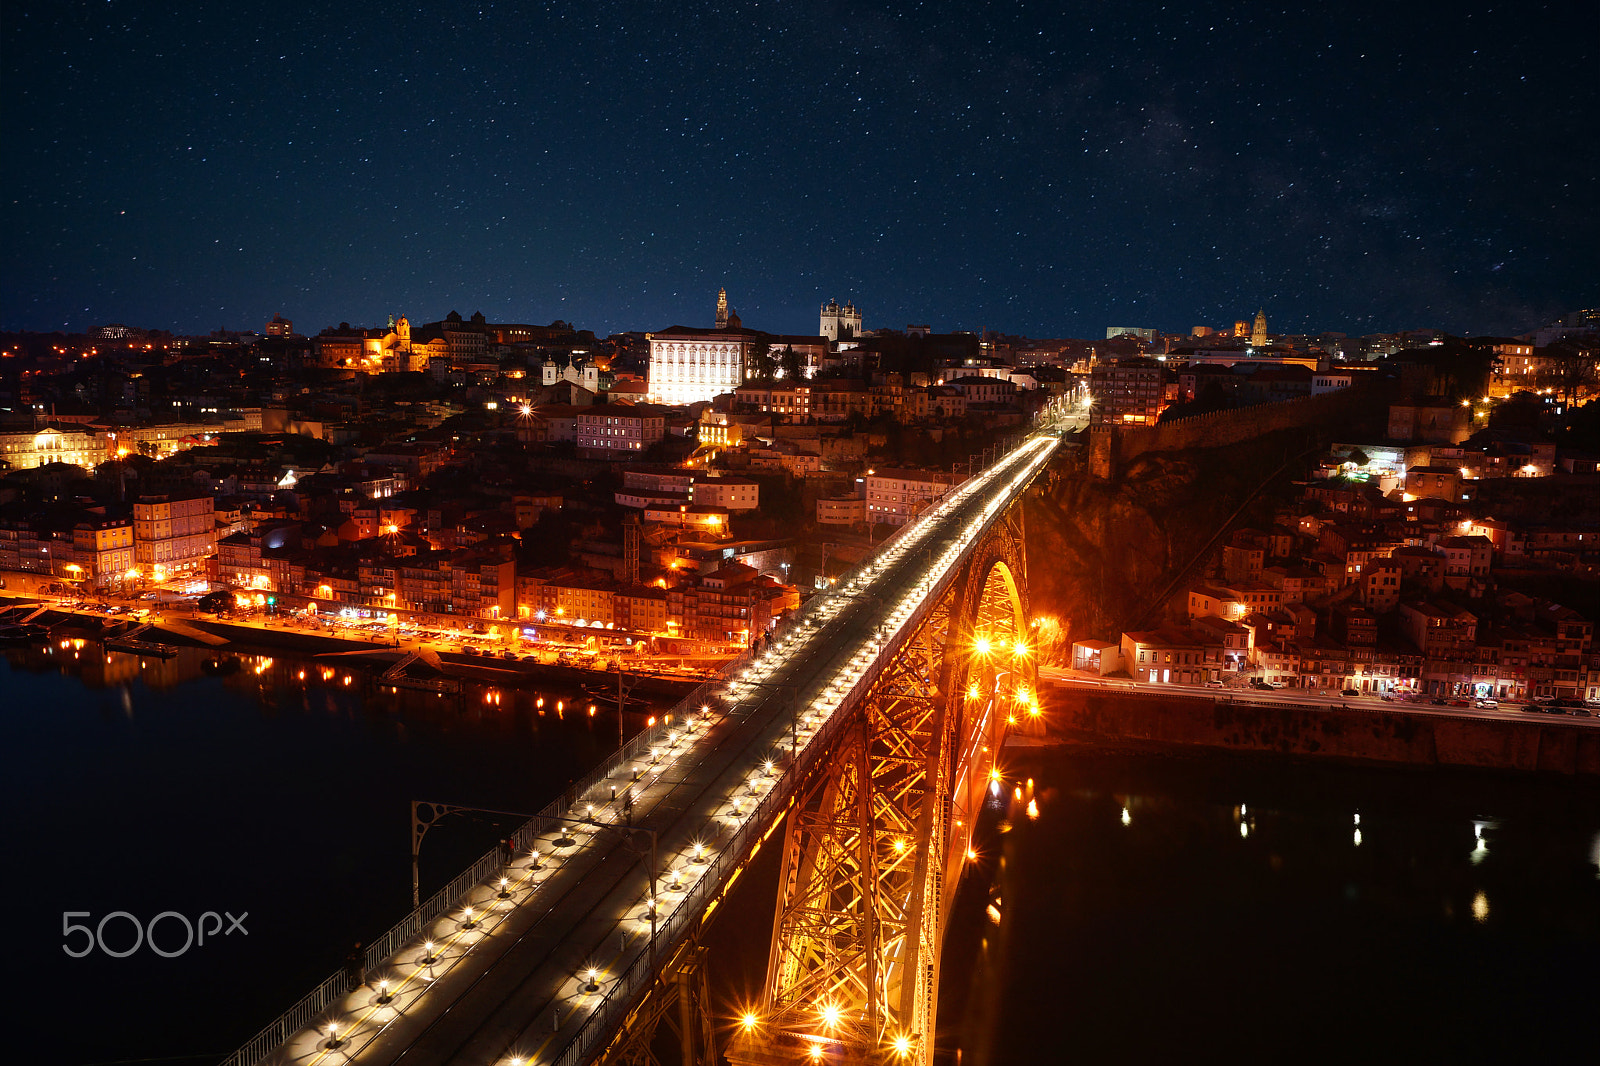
{"x": 1315, "y": 699}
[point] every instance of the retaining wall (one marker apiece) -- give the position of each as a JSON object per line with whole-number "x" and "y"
{"x": 1539, "y": 743}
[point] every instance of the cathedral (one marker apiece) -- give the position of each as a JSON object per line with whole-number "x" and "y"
{"x": 839, "y": 323}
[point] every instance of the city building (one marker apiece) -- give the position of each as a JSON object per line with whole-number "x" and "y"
{"x": 618, "y": 431}
{"x": 895, "y": 497}
{"x": 174, "y": 533}
{"x": 1130, "y": 390}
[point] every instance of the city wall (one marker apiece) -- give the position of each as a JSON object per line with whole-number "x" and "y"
{"x": 1541, "y": 743}
{"x": 1112, "y": 447}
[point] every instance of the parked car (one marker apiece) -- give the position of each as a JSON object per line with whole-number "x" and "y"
{"x": 1350, "y": 692}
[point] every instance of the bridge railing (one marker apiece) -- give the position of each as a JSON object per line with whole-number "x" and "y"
{"x": 311, "y": 1006}
{"x": 634, "y": 981}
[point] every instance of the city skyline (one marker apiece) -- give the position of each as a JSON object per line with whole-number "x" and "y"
{"x": 1048, "y": 174}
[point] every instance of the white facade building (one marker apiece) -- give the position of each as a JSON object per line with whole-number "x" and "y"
{"x": 895, "y": 497}
{"x": 692, "y": 365}
{"x": 731, "y": 493}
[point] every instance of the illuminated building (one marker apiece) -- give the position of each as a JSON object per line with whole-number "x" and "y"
{"x": 839, "y": 323}
{"x": 23, "y": 451}
{"x": 895, "y": 497}
{"x": 1258, "y": 333}
{"x": 1130, "y": 390}
{"x": 102, "y": 552}
{"x": 176, "y": 532}
{"x": 692, "y": 365}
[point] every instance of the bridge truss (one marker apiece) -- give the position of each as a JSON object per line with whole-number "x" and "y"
{"x": 878, "y": 834}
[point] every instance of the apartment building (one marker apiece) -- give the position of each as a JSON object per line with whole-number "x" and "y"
{"x": 176, "y": 531}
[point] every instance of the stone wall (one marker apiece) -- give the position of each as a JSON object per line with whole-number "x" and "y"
{"x": 1111, "y": 447}
{"x": 1539, "y": 743}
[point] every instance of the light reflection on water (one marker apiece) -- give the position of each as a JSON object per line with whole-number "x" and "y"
{"x": 1441, "y": 907}
{"x": 267, "y": 784}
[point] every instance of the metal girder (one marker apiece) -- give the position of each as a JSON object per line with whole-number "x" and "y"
{"x": 681, "y": 985}
{"x": 877, "y": 838}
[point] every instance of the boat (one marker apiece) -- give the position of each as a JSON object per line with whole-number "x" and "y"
{"x": 23, "y": 634}
{"x": 141, "y": 647}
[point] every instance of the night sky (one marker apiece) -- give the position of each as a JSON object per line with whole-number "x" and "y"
{"x": 1047, "y": 169}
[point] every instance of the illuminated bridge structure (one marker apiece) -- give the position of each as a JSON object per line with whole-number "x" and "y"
{"x": 866, "y": 734}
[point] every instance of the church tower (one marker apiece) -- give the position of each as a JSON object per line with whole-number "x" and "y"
{"x": 839, "y": 323}
{"x": 1258, "y": 335}
{"x": 722, "y": 308}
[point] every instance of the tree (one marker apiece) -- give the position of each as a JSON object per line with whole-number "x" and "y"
{"x": 789, "y": 360}
{"x": 1573, "y": 369}
{"x": 761, "y": 361}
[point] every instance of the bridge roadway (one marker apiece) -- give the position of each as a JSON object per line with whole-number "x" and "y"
{"x": 544, "y": 969}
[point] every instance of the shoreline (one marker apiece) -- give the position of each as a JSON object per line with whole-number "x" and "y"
{"x": 187, "y": 630}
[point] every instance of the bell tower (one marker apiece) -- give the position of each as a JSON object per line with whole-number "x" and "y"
{"x": 1258, "y": 335}
{"x": 722, "y": 308}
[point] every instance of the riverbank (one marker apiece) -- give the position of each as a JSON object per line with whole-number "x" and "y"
{"x": 1538, "y": 744}
{"x": 187, "y": 630}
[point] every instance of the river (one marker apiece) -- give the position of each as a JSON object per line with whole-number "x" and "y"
{"x": 1178, "y": 906}
{"x": 1154, "y": 907}
{"x": 281, "y": 790}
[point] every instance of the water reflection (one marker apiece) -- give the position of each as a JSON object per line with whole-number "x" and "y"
{"x": 1480, "y": 849}
{"x": 180, "y": 773}
{"x": 1101, "y": 927}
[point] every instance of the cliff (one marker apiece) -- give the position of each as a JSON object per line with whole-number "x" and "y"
{"x": 1104, "y": 553}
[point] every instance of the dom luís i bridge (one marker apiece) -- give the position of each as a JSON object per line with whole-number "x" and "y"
{"x": 867, "y": 732}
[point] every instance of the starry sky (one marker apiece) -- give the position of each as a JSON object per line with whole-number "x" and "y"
{"x": 1039, "y": 168}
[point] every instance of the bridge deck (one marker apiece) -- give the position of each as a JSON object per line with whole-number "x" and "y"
{"x": 509, "y": 980}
